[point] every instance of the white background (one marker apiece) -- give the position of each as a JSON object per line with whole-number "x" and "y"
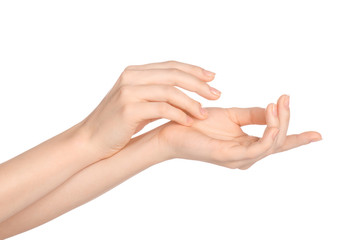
{"x": 58, "y": 59}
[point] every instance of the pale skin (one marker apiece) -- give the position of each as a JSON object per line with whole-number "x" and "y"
{"x": 99, "y": 153}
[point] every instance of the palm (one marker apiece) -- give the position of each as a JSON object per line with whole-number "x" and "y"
{"x": 219, "y": 130}
{"x": 219, "y": 125}
{"x": 220, "y": 140}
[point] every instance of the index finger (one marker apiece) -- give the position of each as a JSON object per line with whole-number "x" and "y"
{"x": 197, "y": 71}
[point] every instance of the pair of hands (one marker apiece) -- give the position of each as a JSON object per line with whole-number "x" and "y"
{"x": 144, "y": 93}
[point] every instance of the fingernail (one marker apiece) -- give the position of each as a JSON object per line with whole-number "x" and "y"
{"x": 275, "y": 113}
{"x": 209, "y": 73}
{"x": 215, "y": 91}
{"x": 203, "y": 111}
{"x": 315, "y": 139}
{"x": 275, "y": 134}
{"x": 286, "y": 102}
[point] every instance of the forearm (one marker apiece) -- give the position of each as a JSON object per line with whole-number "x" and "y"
{"x": 139, "y": 154}
{"x": 34, "y": 173}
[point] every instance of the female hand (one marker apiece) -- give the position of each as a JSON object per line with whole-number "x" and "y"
{"x": 220, "y": 140}
{"x": 144, "y": 93}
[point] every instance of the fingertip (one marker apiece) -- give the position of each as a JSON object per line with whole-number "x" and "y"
{"x": 216, "y": 93}
{"x": 283, "y": 102}
{"x": 210, "y": 75}
{"x": 275, "y": 110}
{"x": 284, "y": 95}
{"x": 272, "y": 108}
{"x": 281, "y": 98}
{"x": 316, "y": 137}
{"x": 204, "y": 113}
{"x": 286, "y": 101}
{"x": 269, "y": 113}
{"x": 189, "y": 120}
{"x": 269, "y": 108}
{"x": 318, "y": 134}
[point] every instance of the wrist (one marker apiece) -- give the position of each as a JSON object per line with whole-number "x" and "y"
{"x": 155, "y": 150}
{"x": 165, "y": 143}
{"x": 149, "y": 143}
{"x": 79, "y": 142}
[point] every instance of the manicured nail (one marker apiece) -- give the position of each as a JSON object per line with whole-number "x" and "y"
{"x": 275, "y": 112}
{"x": 286, "y": 102}
{"x": 203, "y": 111}
{"x": 215, "y": 91}
{"x": 275, "y": 134}
{"x": 209, "y": 73}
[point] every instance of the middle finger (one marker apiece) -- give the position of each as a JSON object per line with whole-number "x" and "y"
{"x": 172, "y": 76}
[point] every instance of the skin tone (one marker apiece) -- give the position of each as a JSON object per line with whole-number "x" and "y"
{"x": 125, "y": 110}
{"x": 212, "y": 135}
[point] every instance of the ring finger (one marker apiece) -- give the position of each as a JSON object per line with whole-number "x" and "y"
{"x": 175, "y": 97}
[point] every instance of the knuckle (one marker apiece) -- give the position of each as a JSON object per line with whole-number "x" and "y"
{"x": 169, "y": 91}
{"x": 124, "y": 74}
{"x": 197, "y": 70}
{"x": 127, "y": 73}
{"x": 174, "y": 70}
{"x": 162, "y": 108}
{"x": 125, "y": 93}
{"x": 129, "y": 67}
{"x": 196, "y": 104}
{"x": 127, "y": 110}
{"x": 171, "y": 62}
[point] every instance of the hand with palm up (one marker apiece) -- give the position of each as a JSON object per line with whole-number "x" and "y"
{"x": 220, "y": 140}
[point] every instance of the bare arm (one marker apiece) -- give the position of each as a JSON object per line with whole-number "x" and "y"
{"x": 217, "y": 140}
{"x": 141, "y": 94}
{"x": 141, "y": 153}
{"x": 31, "y": 175}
